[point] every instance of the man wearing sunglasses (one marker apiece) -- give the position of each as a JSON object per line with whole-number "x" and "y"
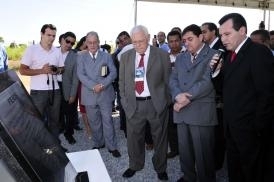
{"x": 68, "y": 81}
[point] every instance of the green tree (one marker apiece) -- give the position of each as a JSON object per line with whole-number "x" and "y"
{"x": 1, "y": 40}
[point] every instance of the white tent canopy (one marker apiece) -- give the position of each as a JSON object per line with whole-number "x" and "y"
{"x": 256, "y": 4}
{"x": 264, "y": 5}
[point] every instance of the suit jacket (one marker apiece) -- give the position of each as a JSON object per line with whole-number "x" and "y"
{"x": 248, "y": 88}
{"x": 218, "y": 45}
{"x": 157, "y": 75}
{"x": 194, "y": 78}
{"x": 69, "y": 78}
{"x": 89, "y": 73}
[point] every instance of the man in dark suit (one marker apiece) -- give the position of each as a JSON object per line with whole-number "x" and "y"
{"x": 210, "y": 37}
{"x": 69, "y": 84}
{"x": 143, "y": 83}
{"x": 194, "y": 107}
{"x": 247, "y": 75}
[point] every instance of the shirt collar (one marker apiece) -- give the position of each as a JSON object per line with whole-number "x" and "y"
{"x": 239, "y": 46}
{"x": 214, "y": 42}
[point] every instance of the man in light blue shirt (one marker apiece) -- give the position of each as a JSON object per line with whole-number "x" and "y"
{"x": 3, "y": 59}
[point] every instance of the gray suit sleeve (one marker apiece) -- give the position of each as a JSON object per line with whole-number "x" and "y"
{"x": 75, "y": 80}
{"x": 112, "y": 72}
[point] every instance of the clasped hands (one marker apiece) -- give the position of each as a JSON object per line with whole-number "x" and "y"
{"x": 182, "y": 100}
{"x": 98, "y": 88}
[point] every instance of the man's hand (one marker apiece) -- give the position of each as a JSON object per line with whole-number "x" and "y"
{"x": 182, "y": 100}
{"x": 183, "y": 97}
{"x": 98, "y": 88}
{"x": 46, "y": 69}
{"x": 71, "y": 100}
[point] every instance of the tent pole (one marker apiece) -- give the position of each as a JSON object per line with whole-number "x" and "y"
{"x": 135, "y": 13}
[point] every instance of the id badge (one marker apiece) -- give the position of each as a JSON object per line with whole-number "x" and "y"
{"x": 139, "y": 74}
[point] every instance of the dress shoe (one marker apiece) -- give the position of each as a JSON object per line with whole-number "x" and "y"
{"x": 181, "y": 179}
{"x": 103, "y": 146}
{"x": 171, "y": 154}
{"x": 77, "y": 127}
{"x": 129, "y": 173}
{"x": 162, "y": 176}
{"x": 71, "y": 140}
{"x": 149, "y": 146}
{"x": 115, "y": 153}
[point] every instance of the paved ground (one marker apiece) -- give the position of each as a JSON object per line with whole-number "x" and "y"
{"x": 116, "y": 167}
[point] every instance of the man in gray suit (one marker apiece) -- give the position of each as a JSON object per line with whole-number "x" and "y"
{"x": 194, "y": 108}
{"x": 68, "y": 81}
{"x": 96, "y": 71}
{"x": 143, "y": 83}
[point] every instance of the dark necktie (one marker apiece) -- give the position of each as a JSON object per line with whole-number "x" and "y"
{"x": 233, "y": 56}
{"x": 93, "y": 58}
{"x": 193, "y": 57}
{"x": 139, "y": 85}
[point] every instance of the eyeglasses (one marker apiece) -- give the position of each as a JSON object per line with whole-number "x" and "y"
{"x": 69, "y": 42}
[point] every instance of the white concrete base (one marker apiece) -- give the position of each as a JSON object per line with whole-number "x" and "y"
{"x": 90, "y": 161}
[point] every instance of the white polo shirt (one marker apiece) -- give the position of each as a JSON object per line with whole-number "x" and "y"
{"x": 36, "y": 57}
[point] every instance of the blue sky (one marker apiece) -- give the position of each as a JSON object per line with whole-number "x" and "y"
{"x": 22, "y": 20}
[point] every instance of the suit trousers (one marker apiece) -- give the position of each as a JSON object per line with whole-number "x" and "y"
{"x": 196, "y": 149}
{"x": 246, "y": 155}
{"x": 70, "y": 117}
{"x": 219, "y": 141}
{"x": 172, "y": 135}
{"x": 49, "y": 111}
{"x": 102, "y": 126}
{"x": 136, "y": 126}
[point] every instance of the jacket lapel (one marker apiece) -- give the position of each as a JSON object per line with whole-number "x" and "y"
{"x": 151, "y": 59}
{"x": 230, "y": 67}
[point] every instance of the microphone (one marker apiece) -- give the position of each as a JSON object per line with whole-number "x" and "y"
{"x": 220, "y": 56}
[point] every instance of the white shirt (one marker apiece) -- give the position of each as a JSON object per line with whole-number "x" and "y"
{"x": 146, "y": 92}
{"x": 126, "y": 48}
{"x": 214, "y": 42}
{"x": 63, "y": 57}
{"x": 36, "y": 57}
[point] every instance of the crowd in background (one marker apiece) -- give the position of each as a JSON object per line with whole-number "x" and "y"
{"x": 201, "y": 93}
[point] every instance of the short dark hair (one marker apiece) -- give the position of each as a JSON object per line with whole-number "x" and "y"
{"x": 176, "y": 29}
{"x": 174, "y": 32}
{"x": 69, "y": 34}
{"x": 123, "y": 33}
{"x": 265, "y": 36}
{"x": 50, "y": 26}
{"x": 237, "y": 19}
{"x": 271, "y": 32}
{"x": 80, "y": 43}
{"x": 211, "y": 27}
{"x": 195, "y": 29}
{"x": 60, "y": 38}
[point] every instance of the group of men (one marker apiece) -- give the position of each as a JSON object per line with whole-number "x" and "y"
{"x": 154, "y": 84}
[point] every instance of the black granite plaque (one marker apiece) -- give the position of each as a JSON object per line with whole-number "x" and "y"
{"x": 23, "y": 132}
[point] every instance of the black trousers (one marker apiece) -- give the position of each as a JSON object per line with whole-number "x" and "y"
{"x": 219, "y": 141}
{"x": 172, "y": 136}
{"x": 68, "y": 117}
